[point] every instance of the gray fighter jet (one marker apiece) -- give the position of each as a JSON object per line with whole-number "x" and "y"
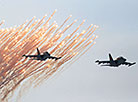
{"x": 42, "y": 57}
{"x": 115, "y": 63}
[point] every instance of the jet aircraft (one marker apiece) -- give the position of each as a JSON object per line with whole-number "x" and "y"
{"x": 42, "y": 57}
{"x": 115, "y": 63}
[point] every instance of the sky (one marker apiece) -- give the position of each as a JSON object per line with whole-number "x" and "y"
{"x": 84, "y": 81}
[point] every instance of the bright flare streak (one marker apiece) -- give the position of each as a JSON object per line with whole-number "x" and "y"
{"x": 24, "y": 39}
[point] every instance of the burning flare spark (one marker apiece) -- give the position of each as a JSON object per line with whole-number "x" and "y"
{"x": 32, "y": 34}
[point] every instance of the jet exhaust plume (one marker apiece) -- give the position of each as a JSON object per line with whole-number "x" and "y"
{"x": 16, "y": 70}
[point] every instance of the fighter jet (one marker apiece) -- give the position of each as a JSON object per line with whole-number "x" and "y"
{"x": 42, "y": 57}
{"x": 115, "y": 63}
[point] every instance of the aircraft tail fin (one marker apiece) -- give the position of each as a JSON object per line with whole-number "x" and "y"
{"x": 110, "y": 57}
{"x": 38, "y": 52}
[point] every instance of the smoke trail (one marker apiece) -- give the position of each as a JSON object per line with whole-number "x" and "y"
{"x": 24, "y": 39}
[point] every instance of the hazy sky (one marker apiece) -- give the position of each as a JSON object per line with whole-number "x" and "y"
{"x": 85, "y": 81}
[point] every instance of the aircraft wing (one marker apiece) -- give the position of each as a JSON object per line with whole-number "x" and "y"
{"x": 99, "y": 62}
{"x": 128, "y": 63}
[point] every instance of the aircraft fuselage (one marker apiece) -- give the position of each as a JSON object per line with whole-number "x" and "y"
{"x": 41, "y": 57}
{"x": 115, "y": 63}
